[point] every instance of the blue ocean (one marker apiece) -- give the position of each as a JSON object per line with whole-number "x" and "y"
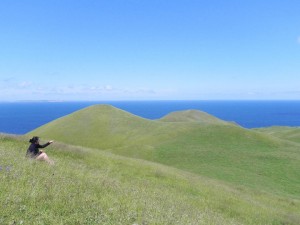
{"x": 22, "y": 117}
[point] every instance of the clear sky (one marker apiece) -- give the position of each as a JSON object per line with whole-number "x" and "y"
{"x": 149, "y": 49}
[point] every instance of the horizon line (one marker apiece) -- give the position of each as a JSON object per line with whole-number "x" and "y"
{"x": 145, "y": 100}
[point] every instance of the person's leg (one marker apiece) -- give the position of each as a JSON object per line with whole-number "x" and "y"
{"x": 43, "y": 156}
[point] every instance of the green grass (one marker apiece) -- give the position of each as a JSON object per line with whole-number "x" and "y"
{"x": 213, "y": 149}
{"x": 88, "y": 186}
{"x": 192, "y": 116}
{"x": 286, "y": 133}
{"x": 103, "y": 126}
{"x": 256, "y": 162}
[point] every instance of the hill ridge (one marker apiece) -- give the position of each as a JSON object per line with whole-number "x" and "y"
{"x": 216, "y": 150}
{"x": 192, "y": 115}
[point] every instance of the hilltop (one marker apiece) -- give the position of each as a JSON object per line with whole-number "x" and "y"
{"x": 104, "y": 126}
{"x": 192, "y": 116}
{"x": 212, "y": 148}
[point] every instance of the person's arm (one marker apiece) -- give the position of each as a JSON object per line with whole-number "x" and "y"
{"x": 45, "y": 145}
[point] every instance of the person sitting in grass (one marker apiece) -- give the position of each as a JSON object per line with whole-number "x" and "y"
{"x": 34, "y": 152}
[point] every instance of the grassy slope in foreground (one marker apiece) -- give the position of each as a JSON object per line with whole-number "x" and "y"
{"x": 95, "y": 187}
{"x": 215, "y": 149}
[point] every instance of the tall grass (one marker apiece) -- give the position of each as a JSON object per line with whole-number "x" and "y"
{"x": 95, "y": 187}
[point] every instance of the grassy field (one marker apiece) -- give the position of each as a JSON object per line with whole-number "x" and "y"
{"x": 88, "y": 186}
{"x": 112, "y": 167}
{"x": 192, "y": 141}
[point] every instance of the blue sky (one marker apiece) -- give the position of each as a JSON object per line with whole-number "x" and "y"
{"x": 149, "y": 49}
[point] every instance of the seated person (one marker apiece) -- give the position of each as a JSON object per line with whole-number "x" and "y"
{"x": 34, "y": 152}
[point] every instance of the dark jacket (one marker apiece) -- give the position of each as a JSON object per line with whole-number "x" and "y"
{"x": 33, "y": 150}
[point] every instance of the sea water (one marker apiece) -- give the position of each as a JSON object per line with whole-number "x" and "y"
{"x": 22, "y": 117}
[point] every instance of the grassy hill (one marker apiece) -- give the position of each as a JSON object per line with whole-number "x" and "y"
{"x": 192, "y": 116}
{"x": 286, "y": 133}
{"x": 96, "y": 187}
{"x": 214, "y": 149}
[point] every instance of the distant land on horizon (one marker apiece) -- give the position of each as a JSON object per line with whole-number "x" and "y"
{"x": 152, "y": 100}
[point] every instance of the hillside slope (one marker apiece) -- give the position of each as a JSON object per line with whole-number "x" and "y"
{"x": 105, "y": 127}
{"x": 95, "y": 187}
{"x": 192, "y": 116}
{"x": 218, "y": 150}
{"x": 286, "y": 133}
